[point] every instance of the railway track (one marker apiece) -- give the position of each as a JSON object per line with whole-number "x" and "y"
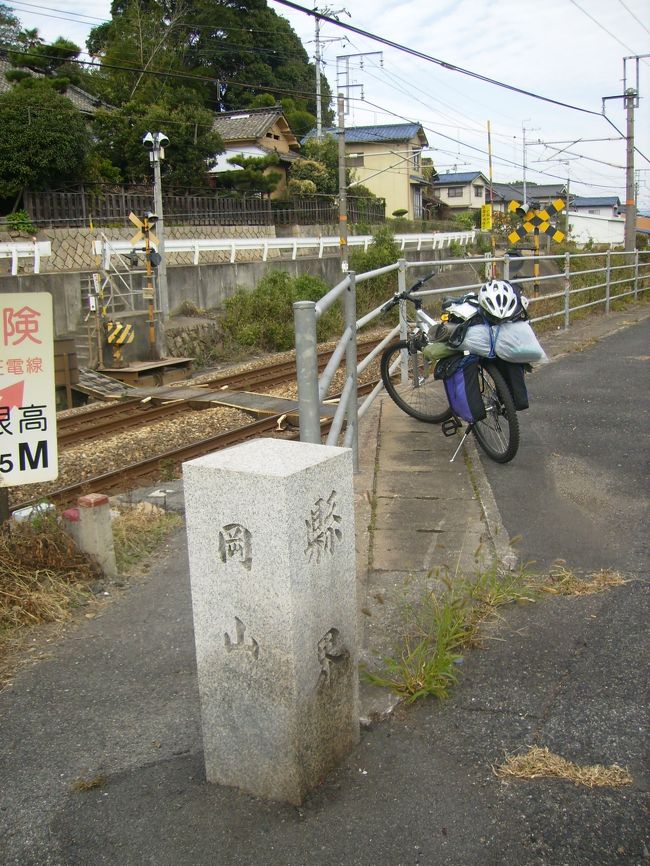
{"x": 150, "y": 470}
{"x": 135, "y": 412}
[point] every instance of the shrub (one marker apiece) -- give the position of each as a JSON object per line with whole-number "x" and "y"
{"x": 263, "y": 319}
{"x": 20, "y": 221}
{"x": 381, "y": 252}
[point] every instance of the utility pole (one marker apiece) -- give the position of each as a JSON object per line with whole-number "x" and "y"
{"x": 343, "y": 192}
{"x": 155, "y": 143}
{"x": 630, "y": 198}
{"x": 318, "y": 59}
{"x": 319, "y": 108}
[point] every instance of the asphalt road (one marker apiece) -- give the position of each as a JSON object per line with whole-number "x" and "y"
{"x": 579, "y": 487}
{"x": 117, "y": 701}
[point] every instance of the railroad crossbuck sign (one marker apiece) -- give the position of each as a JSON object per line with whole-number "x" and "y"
{"x": 536, "y": 221}
{"x": 143, "y": 230}
{"x": 28, "y": 446}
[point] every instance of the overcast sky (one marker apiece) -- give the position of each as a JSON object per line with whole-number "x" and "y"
{"x": 569, "y": 51}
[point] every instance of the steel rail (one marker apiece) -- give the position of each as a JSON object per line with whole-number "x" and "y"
{"x": 124, "y": 478}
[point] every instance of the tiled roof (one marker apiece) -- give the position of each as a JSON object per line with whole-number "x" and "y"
{"x": 369, "y": 134}
{"x": 596, "y": 201}
{"x": 249, "y": 124}
{"x": 457, "y": 177}
{"x": 508, "y": 191}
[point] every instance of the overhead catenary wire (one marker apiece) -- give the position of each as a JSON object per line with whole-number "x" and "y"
{"x": 431, "y": 59}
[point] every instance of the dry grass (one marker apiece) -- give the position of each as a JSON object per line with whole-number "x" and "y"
{"x": 42, "y": 573}
{"x": 88, "y": 784}
{"x": 44, "y": 577}
{"x": 563, "y": 581}
{"x": 138, "y": 532}
{"x": 540, "y": 763}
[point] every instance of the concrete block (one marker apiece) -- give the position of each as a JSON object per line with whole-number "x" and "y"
{"x": 90, "y": 526}
{"x": 271, "y": 542}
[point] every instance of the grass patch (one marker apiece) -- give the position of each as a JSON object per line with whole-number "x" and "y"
{"x": 138, "y": 531}
{"x": 44, "y": 577}
{"x": 441, "y": 626}
{"x": 564, "y": 581}
{"x": 88, "y": 784}
{"x": 42, "y": 573}
{"x": 540, "y": 763}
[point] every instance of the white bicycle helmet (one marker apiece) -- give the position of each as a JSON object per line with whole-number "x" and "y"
{"x": 499, "y": 299}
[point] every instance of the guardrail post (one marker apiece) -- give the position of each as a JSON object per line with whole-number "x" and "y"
{"x": 567, "y": 289}
{"x": 351, "y": 361}
{"x": 608, "y": 279}
{"x": 506, "y": 267}
{"x": 403, "y": 330}
{"x": 304, "y": 316}
{"x": 636, "y": 275}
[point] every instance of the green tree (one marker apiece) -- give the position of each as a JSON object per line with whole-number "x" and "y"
{"x": 43, "y": 139}
{"x": 192, "y": 150}
{"x": 9, "y": 26}
{"x": 252, "y": 174}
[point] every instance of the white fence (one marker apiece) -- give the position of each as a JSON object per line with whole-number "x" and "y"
{"x": 33, "y": 251}
{"x": 319, "y": 245}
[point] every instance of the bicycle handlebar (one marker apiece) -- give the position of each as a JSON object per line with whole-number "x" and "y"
{"x": 406, "y": 295}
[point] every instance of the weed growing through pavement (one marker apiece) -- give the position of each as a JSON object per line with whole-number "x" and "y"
{"x": 441, "y": 626}
{"x": 444, "y": 623}
{"x": 138, "y": 532}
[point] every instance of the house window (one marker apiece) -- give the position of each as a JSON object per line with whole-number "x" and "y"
{"x": 455, "y": 192}
{"x": 478, "y": 192}
{"x": 354, "y": 159}
{"x": 416, "y": 160}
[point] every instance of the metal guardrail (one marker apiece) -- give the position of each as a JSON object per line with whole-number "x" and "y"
{"x": 33, "y": 250}
{"x": 312, "y": 389}
{"x": 416, "y": 242}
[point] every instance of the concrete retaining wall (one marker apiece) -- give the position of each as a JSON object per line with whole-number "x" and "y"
{"x": 206, "y": 286}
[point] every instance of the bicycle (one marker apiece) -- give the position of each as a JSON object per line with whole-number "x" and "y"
{"x": 423, "y": 397}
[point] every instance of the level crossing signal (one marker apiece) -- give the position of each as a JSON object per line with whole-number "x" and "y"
{"x": 536, "y": 220}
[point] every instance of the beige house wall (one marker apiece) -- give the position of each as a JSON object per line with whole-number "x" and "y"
{"x": 467, "y": 200}
{"x": 386, "y": 171}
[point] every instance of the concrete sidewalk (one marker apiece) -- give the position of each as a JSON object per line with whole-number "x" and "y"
{"x": 115, "y": 703}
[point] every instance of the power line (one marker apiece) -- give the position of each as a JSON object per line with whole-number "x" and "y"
{"x": 428, "y": 57}
{"x": 636, "y": 18}
{"x": 602, "y": 26}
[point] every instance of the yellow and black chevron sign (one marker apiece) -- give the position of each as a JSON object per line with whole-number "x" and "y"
{"x": 119, "y": 334}
{"x": 536, "y": 221}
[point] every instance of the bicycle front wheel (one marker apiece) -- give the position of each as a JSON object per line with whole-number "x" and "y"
{"x": 498, "y": 432}
{"x": 421, "y": 396}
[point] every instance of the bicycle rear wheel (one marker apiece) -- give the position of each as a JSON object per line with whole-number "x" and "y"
{"x": 421, "y": 396}
{"x": 498, "y": 432}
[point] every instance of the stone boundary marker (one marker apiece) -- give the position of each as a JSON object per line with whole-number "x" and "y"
{"x": 271, "y": 540}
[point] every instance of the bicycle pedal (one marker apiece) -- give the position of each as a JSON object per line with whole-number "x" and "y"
{"x": 451, "y": 426}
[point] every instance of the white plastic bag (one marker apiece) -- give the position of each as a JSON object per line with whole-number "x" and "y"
{"x": 479, "y": 340}
{"x": 516, "y": 342}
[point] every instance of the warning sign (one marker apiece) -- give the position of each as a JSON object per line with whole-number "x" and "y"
{"x": 486, "y": 217}
{"x": 28, "y": 446}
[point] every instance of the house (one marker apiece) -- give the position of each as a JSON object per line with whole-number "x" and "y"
{"x": 387, "y": 160}
{"x": 609, "y": 205}
{"x": 462, "y": 190}
{"x": 256, "y": 132}
{"x": 541, "y": 194}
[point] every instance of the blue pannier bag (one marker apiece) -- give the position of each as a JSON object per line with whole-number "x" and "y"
{"x": 459, "y": 374}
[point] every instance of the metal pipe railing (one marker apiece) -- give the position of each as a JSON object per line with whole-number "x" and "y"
{"x": 312, "y": 389}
